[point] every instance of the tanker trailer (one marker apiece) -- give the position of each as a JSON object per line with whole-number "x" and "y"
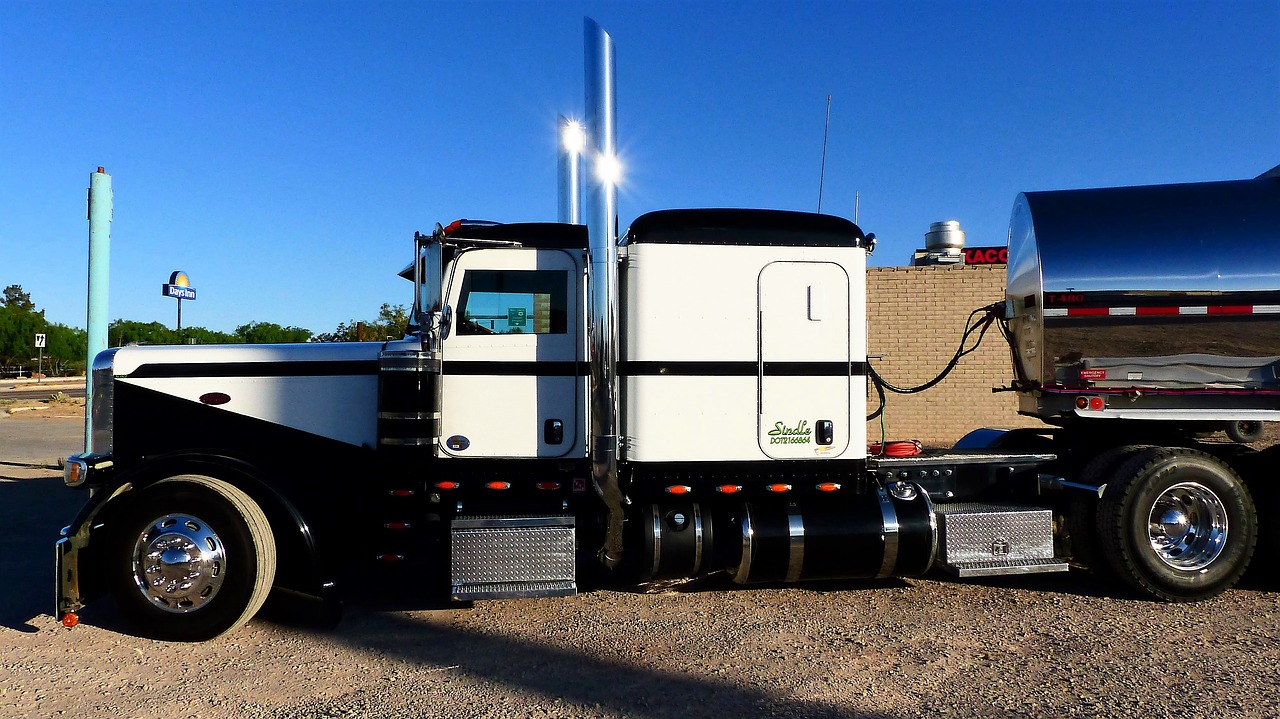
{"x": 1141, "y": 318}
{"x": 1148, "y": 303}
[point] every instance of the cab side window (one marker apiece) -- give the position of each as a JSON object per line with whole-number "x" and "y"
{"x": 501, "y": 302}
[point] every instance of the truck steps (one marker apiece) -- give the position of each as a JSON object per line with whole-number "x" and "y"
{"x": 978, "y": 540}
{"x": 510, "y": 557}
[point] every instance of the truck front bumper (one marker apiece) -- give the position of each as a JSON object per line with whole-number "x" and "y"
{"x": 79, "y": 470}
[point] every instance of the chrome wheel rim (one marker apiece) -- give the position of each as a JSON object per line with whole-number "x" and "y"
{"x": 178, "y": 563}
{"x": 1187, "y": 526}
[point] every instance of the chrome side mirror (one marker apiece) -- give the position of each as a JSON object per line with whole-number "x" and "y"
{"x": 446, "y": 321}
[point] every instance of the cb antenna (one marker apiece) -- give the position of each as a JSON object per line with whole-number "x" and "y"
{"x": 822, "y": 174}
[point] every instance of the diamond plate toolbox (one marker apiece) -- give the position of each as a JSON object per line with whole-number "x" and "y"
{"x": 971, "y": 532}
{"x": 512, "y": 556}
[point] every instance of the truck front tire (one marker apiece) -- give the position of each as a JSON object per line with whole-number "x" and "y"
{"x": 1177, "y": 524}
{"x": 189, "y": 558}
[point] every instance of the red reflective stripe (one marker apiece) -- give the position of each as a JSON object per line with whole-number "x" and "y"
{"x": 1088, "y": 311}
{"x": 1230, "y": 309}
{"x": 1158, "y": 310}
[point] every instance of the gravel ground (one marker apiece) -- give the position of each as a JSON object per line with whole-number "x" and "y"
{"x": 1053, "y": 645}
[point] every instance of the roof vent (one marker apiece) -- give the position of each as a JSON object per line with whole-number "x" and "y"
{"x": 943, "y": 245}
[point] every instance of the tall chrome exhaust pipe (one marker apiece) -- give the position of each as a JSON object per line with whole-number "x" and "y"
{"x": 602, "y": 279}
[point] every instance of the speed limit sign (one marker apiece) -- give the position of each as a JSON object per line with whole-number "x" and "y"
{"x": 39, "y": 341}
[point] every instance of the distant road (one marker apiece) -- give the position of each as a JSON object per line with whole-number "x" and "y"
{"x": 40, "y": 391}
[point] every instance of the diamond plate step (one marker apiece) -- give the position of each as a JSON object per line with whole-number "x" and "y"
{"x": 996, "y": 568}
{"x": 514, "y": 590}
{"x": 507, "y": 557}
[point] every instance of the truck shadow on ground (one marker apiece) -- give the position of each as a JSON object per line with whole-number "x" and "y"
{"x": 559, "y": 678}
{"x": 33, "y": 510}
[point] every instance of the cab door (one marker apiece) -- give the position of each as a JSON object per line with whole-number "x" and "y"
{"x": 513, "y": 380}
{"x": 805, "y": 349}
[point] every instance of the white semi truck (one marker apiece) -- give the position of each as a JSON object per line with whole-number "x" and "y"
{"x": 701, "y": 410}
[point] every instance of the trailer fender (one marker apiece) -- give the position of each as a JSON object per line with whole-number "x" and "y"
{"x": 1024, "y": 439}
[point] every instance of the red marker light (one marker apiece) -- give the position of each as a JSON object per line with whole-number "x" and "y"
{"x": 779, "y": 488}
{"x": 828, "y": 487}
{"x": 446, "y": 485}
{"x": 679, "y": 489}
{"x": 390, "y": 558}
{"x": 396, "y": 525}
{"x": 728, "y": 489}
{"x": 1096, "y": 403}
{"x": 548, "y": 486}
{"x": 1082, "y": 402}
{"x": 401, "y": 493}
{"x": 70, "y": 619}
{"x": 498, "y": 485}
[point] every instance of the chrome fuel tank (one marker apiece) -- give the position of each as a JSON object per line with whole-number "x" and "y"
{"x": 1156, "y": 289}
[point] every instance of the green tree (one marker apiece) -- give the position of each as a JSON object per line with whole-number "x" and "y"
{"x": 390, "y": 323}
{"x": 270, "y": 333}
{"x": 15, "y": 297}
{"x": 18, "y": 328}
{"x": 21, "y": 321}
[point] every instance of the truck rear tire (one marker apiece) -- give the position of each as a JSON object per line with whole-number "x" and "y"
{"x": 190, "y": 558}
{"x": 1177, "y": 524}
{"x": 1245, "y": 431}
{"x": 1082, "y": 508}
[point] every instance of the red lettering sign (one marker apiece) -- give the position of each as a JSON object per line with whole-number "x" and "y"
{"x": 1093, "y": 375}
{"x": 986, "y": 255}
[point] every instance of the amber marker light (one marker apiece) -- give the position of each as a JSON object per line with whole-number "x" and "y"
{"x": 779, "y": 488}
{"x": 679, "y": 489}
{"x": 70, "y": 619}
{"x": 728, "y": 489}
{"x": 828, "y": 487}
{"x": 498, "y": 485}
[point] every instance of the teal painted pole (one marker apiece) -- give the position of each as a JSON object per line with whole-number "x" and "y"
{"x": 100, "y": 213}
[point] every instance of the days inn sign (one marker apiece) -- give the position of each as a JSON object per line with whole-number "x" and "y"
{"x": 179, "y": 287}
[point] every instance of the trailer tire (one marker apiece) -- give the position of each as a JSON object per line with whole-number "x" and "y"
{"x": 1082, "y": 508}
{"x": 189, "y": 558}
{"x": 1177, "y": 524}
{"x": 1245, "y": 431}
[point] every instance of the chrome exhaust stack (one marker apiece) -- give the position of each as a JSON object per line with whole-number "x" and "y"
{"x": 602, "y": 279}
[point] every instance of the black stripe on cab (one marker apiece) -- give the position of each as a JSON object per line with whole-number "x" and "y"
{"x": 519, "y": 369}
{"x": 742, "y": 369}
{"x": 305, "y": 368}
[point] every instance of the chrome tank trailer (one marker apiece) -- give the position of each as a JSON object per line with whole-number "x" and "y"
{"x": 1157, "y": 302}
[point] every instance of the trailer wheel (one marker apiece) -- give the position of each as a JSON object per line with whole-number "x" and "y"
{"x": 1177, "y": 524}
{"x": 1082, "y": 508}
{"x": 1245, "y": 431}
{"x": 190, "y": 558}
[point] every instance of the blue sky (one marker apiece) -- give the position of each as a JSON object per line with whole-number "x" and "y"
{"x": 283, "y": 153}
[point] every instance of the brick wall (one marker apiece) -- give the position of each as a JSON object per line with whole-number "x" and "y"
{"x": 915, "y": 316}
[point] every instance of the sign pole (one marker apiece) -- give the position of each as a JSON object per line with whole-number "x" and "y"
{"x": 40, "y": 342}
{"x": 100, "y": 212}
{"x": 179, "y": 288}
